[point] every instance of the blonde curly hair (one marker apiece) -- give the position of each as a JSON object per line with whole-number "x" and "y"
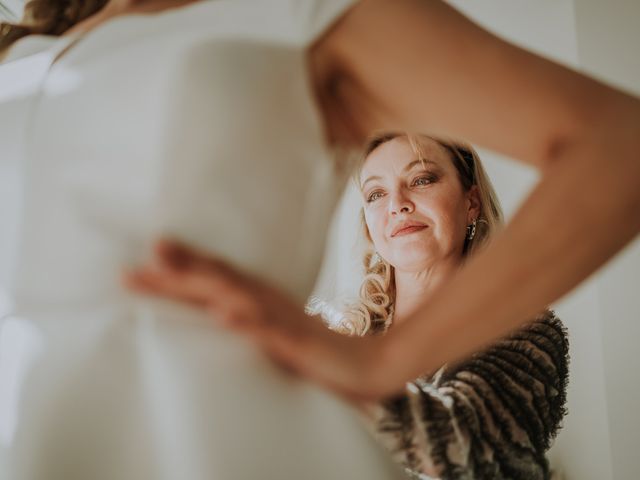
{"x": 373, "y": 311}
{"x": 47, "y": 17}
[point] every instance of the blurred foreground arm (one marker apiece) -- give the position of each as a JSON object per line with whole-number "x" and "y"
{"x": 421, "y": 66}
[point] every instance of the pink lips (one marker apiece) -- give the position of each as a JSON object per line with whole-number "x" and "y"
{"x": 407, "y": 228}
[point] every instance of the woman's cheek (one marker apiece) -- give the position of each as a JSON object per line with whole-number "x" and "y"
{"x": 375, "y": 224}
{"x": 372, "y": 216}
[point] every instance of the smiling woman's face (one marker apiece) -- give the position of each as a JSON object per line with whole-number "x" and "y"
{"x": 416, "y": 211}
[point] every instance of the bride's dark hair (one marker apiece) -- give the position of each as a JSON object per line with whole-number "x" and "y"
{"x": 47, "y": 17}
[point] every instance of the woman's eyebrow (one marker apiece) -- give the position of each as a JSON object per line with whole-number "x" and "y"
{"x": 408, "y": 167}
{"x": 420, "y": 162}
{"x": 370, "y": 179}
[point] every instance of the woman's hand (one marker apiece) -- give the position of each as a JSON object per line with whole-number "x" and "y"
{"x": 353, "y": 367}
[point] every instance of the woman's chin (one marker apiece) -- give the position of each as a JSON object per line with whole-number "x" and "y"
{"x": 417, "y": 260}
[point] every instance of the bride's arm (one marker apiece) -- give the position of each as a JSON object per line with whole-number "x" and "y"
{"x": 421, "y": 66}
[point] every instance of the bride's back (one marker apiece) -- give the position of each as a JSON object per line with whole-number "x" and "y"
{"x": 197, "y": 123}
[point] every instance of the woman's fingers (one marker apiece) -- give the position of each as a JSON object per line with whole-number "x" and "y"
{"x": 174, "y": 255}
{"x": 229, "y": 303}
{"x": 300, "y": 344}
{"x": 177, "y": 256}
{"x": 181, "y": 273}
{"x": 190, "y": 286}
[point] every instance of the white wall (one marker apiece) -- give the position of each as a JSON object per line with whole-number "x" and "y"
{"x": 602, "y": 429}
{"x": 608, "y": 46}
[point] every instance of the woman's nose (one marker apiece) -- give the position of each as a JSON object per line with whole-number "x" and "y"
{"x": 400, "y": 204}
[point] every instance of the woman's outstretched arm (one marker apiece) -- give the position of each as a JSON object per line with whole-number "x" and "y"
{"x": 492, "y": 415}
{"x": 420, "y": 66}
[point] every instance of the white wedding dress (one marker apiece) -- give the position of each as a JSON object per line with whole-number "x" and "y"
{"x": 198, "y": 123}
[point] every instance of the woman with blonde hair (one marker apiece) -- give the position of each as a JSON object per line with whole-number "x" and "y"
{"x": 476, "y": 418}
{"x": 428, "y": 207}
{"x": 224, "y": 124}
{"x": 378, "y": 291}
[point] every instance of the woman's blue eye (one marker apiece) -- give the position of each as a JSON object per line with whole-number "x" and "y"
{"x": 374, "y": 196}
{"x": 421, "y": 181}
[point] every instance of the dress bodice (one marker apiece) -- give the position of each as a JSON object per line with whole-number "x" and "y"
{"x": 214, "y": 138}
{"x": 198, "y": 123}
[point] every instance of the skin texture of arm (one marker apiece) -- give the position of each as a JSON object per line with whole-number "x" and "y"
{"x": 421, "y": 66}
{"x": 490, "y": 416}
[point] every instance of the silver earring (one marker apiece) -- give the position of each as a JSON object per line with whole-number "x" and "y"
{"x": 376, "y": 258}
{"x": 471, "y": 230}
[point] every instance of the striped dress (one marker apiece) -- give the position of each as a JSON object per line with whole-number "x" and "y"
{"x": 492, "y": 416}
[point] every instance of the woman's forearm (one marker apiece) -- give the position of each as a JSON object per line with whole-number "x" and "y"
{"x": 443, "y": 74}
{"x": 585, "y": 208}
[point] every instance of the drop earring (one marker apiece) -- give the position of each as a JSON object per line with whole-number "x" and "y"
{"x": 471, "y": 230}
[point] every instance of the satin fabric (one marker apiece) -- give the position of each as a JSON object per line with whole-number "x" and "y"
{"x": 197, "y": 123}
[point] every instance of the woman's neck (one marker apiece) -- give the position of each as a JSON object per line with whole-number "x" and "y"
{"x": 412, "y": 288}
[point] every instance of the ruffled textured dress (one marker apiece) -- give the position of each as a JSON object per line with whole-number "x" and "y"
{"x": 491, "y": 417}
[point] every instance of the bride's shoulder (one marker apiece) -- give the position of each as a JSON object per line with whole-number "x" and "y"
{"x": 301, "y": 21}
{"x": 315, "y": 17}
{"x": 28, "y": 46}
